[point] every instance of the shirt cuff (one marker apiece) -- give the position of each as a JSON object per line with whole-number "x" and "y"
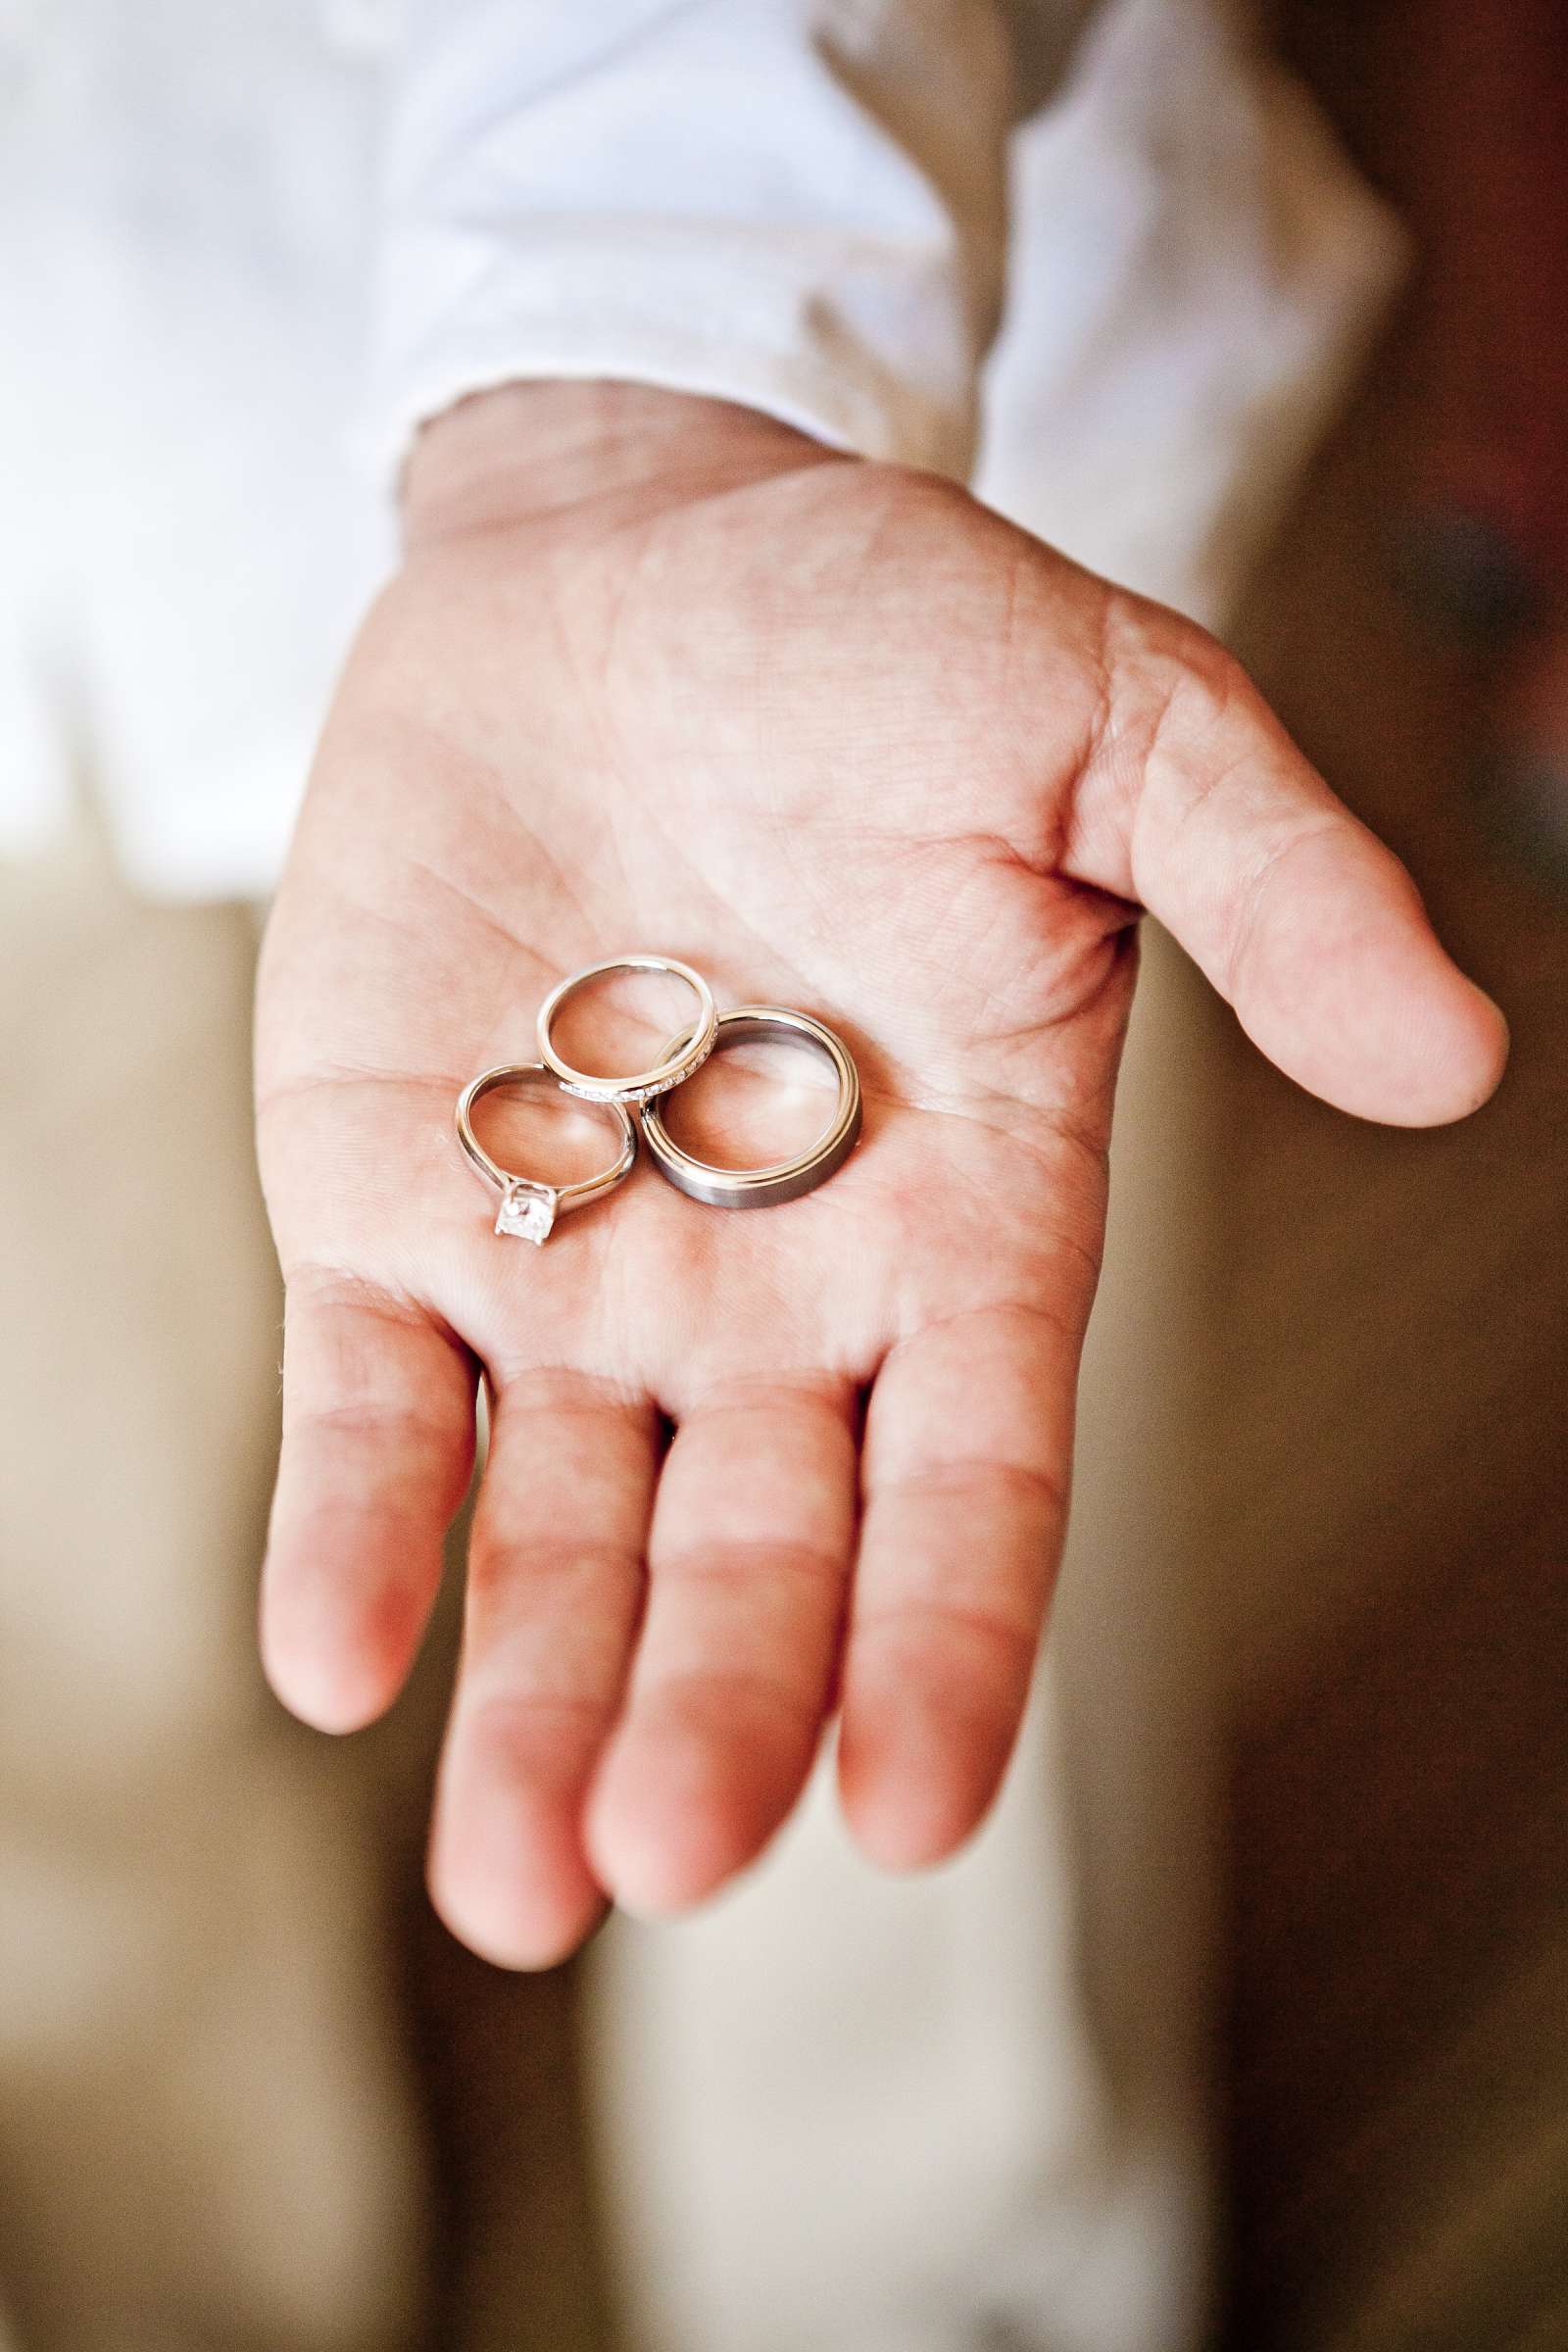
{"x": 720, "y": 206}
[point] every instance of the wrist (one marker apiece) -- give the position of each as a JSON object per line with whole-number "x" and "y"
{"x": 509, "y": 455}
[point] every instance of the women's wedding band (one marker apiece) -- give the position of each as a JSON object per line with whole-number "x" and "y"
{"x": 528, "y": 1210}
{"x": 785, "y": 1179}
{"x": 684, "y": 1053}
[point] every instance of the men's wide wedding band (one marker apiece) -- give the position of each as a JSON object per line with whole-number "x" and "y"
{"x": 684, "y": 1053}
{"x": 528, "y": 1210}
{"x": 784, "y": 1179}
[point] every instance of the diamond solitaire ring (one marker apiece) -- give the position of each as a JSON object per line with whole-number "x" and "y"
{"x": 785, "y": 1179}
{"x": 684, "y": 1053}
{"x": 528, "y": 1210}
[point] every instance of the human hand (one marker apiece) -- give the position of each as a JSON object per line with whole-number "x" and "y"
{"x": 658, "y": 673}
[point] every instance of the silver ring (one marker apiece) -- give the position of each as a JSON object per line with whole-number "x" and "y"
{"x": 528, "y": 1210}
{"x": 785, "y": 1179}
{"x": 684, "y": 1053}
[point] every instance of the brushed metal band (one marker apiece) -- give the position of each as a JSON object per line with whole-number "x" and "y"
{"x": 785, "y": 1179}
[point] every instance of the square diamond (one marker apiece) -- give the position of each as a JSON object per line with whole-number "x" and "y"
{"x": 527, "y": 1210}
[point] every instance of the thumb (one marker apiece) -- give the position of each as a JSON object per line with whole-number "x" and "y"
{"x": 1195, "y": 802}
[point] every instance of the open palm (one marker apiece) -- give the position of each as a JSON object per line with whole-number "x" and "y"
{"x": 846, "y": 742}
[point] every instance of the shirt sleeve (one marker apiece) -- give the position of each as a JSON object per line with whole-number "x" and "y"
{"x": 797, "y": 205}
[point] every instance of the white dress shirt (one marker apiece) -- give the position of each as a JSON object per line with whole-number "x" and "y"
{"x": 236, "y": 242}
{"x": 797, "y": 204}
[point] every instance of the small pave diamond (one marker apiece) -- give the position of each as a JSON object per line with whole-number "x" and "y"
{"x": 609, "y": 1090}
{"x": 527, "y": 1210}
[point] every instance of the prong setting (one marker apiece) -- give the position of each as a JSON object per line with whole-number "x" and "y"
{"x": 527, "y": 1210}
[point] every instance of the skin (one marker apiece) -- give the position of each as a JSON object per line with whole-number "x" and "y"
{"x": 659, "y": 672}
